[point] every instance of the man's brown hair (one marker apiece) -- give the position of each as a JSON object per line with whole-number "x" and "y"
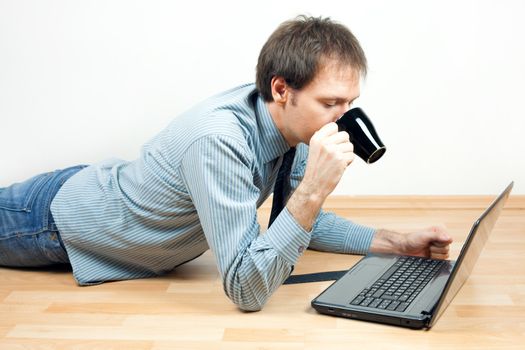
{"x": 296, "y": 49}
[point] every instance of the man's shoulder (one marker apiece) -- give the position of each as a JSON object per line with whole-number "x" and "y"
{"x": 227, "y": 114}
{"x": 238, "y": 103}
{"x": 236, "y": 93}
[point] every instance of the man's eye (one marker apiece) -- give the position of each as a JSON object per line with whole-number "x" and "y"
{"x": 329, "y": 105}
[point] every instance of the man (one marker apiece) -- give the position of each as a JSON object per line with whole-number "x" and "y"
{"x": 197, "y": 185}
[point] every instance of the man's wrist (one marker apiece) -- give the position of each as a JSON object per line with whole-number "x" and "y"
{"x": 389, "y": 242}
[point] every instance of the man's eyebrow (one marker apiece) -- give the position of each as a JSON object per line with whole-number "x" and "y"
{"x": 355, "y": 98}
{"x": 338, "y": 99}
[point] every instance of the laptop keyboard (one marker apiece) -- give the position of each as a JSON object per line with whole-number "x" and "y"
{"x": 399, "y": 285}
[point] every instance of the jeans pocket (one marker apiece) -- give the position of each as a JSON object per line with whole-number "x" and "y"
{"x": 21, "y": 196}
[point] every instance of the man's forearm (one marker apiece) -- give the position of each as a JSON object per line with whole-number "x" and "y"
{"x": 304, "y": 205}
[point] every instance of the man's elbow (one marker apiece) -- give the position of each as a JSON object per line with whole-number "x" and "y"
{"x": 249, "y": 292}
{"x": 247, "y": 303}
{"x": 247, "y": 300}
{"x": 249, "y": 307}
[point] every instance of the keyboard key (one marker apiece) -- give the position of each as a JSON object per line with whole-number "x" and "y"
{"x": 384, "y": 304}
{"x": 375, "y": 303}
{"x": 379, "y": 293}
{"x": 402, "y": 307}
{"x": 393, "y": 305}
{"x": 404, "y": 297}
{"x": 358, "y": 300}
{"x": 371, "y": 292}
{"x": 364, "y": 291}
{"x": 366, "y": 302}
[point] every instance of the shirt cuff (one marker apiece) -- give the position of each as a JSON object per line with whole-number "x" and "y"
{"x": 358, "y": 238}
{"x": 287, "y": 237}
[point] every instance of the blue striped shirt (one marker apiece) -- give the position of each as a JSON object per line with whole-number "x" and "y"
{"x": 197, "y": 186}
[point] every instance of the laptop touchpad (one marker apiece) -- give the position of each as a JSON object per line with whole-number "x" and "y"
{"x": 348, "y": 286}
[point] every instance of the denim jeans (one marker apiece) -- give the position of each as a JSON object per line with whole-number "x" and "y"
{"x": 28, "y": 234}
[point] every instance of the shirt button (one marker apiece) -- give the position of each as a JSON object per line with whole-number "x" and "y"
{"x": 300, "y": 249}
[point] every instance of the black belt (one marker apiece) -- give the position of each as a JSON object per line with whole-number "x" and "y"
{"x": 315, "y": 277}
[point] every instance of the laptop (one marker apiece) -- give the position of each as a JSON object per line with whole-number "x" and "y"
{"x": 407, "y": 291}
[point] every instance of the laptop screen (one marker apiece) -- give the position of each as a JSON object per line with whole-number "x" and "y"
{"x": 470, "y": 252}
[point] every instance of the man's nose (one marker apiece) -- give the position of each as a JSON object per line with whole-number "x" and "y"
{"x": 342, "y": 110}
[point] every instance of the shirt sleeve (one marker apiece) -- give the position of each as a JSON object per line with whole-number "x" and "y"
{"x": 332, "y": 233}
{"x": 218, "y": 176}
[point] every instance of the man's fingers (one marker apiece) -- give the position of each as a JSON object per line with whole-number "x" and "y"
{"x": 327, "y": 130}
{"x": 441, "y": 234}
{"x": 438, "y": 256}
{"x": 441, "y": 243}
{"x": 346, "y": 147}
{"x": 438, "y": 236}
{"x": 331, "y": 134}
{"x": 339, "y": 138}
{"x": 439, "y": 249}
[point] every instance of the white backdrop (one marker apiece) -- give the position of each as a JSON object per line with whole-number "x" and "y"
{"x": 81, "y": 81}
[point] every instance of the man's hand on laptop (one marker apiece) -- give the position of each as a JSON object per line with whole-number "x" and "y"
{"x": 432, "y": 242}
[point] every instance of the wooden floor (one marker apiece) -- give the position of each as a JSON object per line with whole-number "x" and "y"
{"x": 188, "y": 309}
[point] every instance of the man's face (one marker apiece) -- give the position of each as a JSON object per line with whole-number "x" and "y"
{"x": 322, "y": 101}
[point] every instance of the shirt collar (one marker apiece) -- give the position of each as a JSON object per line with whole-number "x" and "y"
{"x": 273, "y": 143}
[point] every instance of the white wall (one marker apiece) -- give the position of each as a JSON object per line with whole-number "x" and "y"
{"x": 81, "y": 81}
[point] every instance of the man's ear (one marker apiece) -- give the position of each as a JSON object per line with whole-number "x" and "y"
{"x": 280, "y": 90}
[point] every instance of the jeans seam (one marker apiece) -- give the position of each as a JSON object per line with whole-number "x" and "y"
{"x": 16, "y": 234}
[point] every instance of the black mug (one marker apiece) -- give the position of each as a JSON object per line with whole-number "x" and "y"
{"x": 363, "y": 135}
